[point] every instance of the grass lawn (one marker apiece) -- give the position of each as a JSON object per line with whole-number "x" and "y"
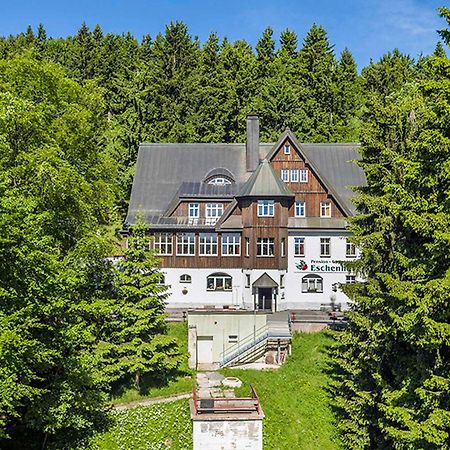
{"x": 164, "y": 426}
{"x": 294, "y": 398}
{"x": 183, "y": 382}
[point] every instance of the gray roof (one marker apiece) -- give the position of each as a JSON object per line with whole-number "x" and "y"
{"x": 264, "y": 182}
{"x": 161, "y": 169}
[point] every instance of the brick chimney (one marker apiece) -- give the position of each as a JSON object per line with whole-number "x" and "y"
{"x": 252, "y": 145}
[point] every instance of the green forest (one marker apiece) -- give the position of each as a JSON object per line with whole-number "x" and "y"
{"x": 72, "y": 114}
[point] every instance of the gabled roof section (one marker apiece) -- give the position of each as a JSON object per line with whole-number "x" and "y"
{"x": 265, "y": 281}
{"x": 332, "y": 164}
{"x": 264, "y": 182}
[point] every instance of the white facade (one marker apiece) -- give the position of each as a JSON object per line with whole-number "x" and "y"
{"x": 291, "y": 291}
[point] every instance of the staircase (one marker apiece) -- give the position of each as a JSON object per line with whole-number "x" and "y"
{"x": 276, "y": 333}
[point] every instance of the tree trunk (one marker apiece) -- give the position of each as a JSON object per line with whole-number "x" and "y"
{"x": 137, "y": 381}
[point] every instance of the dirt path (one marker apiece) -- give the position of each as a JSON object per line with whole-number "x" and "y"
{"x": 151, "y": 401}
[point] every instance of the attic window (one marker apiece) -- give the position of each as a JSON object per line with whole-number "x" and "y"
{"x": 219, "y": 181}
{"x": 287, "y": 149}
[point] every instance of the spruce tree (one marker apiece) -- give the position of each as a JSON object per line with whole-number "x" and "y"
{"x": 137, "y": 343}
{"x": 394, "y": 387}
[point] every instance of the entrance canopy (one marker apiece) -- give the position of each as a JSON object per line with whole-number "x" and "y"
{"x": 265, "y": 281}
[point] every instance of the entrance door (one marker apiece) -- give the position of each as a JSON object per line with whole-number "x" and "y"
{"x": 205, "y": 350}
{"x": 265, "y": 298}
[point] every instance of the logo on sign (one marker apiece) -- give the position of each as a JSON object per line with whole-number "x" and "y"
{"x": 301, "y": 265}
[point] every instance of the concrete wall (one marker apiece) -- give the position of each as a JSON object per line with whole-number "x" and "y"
{"x": 228, "y": 435}
{"x": 220, "y": 325}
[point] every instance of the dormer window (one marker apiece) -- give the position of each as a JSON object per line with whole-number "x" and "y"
{"x": 219, "y": 181}
{"x": 287, "y": 149}
{"x": 214, "y": 212}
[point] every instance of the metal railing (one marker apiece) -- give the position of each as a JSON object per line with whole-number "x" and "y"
{"x": 227, "y": 404}
{"x": 268, "y": 331}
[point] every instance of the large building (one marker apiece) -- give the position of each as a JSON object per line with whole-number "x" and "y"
{"x": 250, "y": 225}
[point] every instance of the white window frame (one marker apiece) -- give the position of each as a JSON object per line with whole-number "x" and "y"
{"x": 163, "y": 244}
{"x": 287, "y": 149}
{"x": 247, "y": 246}
{"x": 186, "y": 244}
{"x": 303, "y": 176}
{"x": 350, "y": 278}
{"x": 299, "y": 208}
{"x": 285, "y": 175}
{"x": 193, "y": 210}
{"x": 283, "y": 247}
{"x": 247, "y": 280}
{"x": 219, "y": 181}
{"x": 312, "y": 284}
{"x": 213, "y": 212}
{"x": 350, "y": 249}
{"x": 299, "y": 244}
{"x": 266, "y": 208}
{"x": 231, "y": 244}
{"x": 294, "y": 176}
{"x": 325, "y": 210}
{"x": 221, "y": 282}
{"x": 185, "y": 278}
{"x": 208, "y": 244}
{"x": 265, "y": 247}
{"x": 325, "y": 247}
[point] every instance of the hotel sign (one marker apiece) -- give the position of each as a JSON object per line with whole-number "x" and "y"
{"x": 320, "y": 266}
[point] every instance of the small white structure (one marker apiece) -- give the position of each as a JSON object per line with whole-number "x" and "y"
{"x": 218, "y": 338}
{"x": 227, "y": 423}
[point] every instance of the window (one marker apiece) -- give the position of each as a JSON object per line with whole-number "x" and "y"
{"x": 185, "y": 278}
{"x": 231, "y": 244}
{"x": 247, "y": 246}
{"x": 285, "y": 175}
{"x": 266, "y": 208}
{"x": 283, "y": 247}
{"x": 247, "y": 280}
{"x": 194, "y": 210}
{"x": 350, "y": 279}
{"x": 265, "y": 247}
{"x": 213, "y": 212}
{"x": 350, "y": 249}
{"x": 163, "y": 243}
{"x": 186, "y": 244}
{"x": 287, "y": 149}
{"x": 325, "y": 209}
{"x": 219, "y": 181}
{"x": 299, "y": 246}
{"x": 294, "y": 176}
{"x": 161, "y": 279}
{"x": 208, "y": 244}
{"x": 219, "y": 282}
{"x": 303, "y": 175}
{"x": 300, "y": 209}
{"x": 281, "y": 281}
{"x": 312, "y": 283}
{"x": 325, "y": 247}
{"x": 232, "y": 339}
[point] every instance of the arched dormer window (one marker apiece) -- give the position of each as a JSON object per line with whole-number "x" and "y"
{"x": 312, "y": 283}
{"x": 219, "y": 177}
{"x": 219, "y": 282}
{"x": 219, "y": 181}
{"x": 185, "y": 278}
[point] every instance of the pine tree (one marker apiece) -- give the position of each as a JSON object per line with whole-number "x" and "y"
{"x": 394, "y": 389}
{"x": 138, "y": 343}
{"x": 316, "y": 86}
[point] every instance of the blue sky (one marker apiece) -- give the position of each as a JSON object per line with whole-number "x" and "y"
{"x": 368, "y": 28}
